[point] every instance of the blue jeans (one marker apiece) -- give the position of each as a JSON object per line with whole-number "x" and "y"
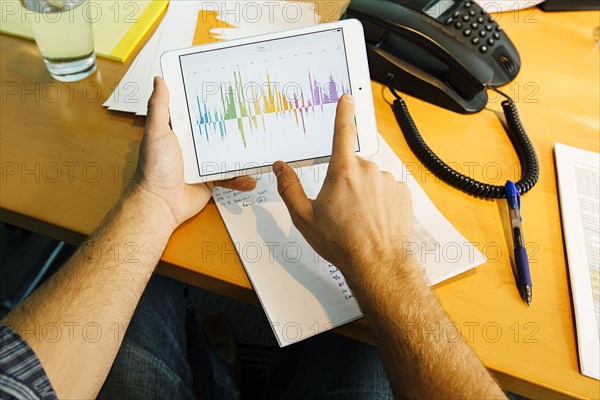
{"x": 164, "y": 355}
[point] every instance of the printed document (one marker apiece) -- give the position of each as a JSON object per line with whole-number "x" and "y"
{"x": 579, "y": 191}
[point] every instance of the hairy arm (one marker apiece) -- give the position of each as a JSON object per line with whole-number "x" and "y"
{"x": 402, "y": 311}
{"x": 76, "y": 321}
{"x": 362, "y": 232}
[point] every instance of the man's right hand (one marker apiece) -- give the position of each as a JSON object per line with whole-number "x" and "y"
{"x": 360, "y": 222}
{"x": 361, "y": 214}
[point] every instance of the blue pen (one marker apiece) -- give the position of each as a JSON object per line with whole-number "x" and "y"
{"x": 514, "y": 209}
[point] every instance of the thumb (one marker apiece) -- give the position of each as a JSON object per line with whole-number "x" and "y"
{"x": 158, "y": 108}
{"x": 291, "y": 191}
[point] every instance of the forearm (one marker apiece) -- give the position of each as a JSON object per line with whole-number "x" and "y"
{"x": 402, "y": 311}
{"x": 76, "y": 321}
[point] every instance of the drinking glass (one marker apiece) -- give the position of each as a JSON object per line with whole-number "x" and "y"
{"x": 64, "y": 35}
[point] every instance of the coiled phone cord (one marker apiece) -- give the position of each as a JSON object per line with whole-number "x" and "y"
{"x": 518, "y": 137}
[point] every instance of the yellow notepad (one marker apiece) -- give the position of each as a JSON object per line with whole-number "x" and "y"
{"x": 118, "y": 25}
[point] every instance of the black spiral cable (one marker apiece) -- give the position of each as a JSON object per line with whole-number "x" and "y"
{"x": 518, "y": 137}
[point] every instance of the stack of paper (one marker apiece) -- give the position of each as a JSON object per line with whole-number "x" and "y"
{"x": 193, "y": 22}
{"x": 578, "y": 173}
{"x": 301, "y": 293}
{"x": 118, "y": 25}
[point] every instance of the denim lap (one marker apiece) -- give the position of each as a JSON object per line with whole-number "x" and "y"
{"x": 165, "y": 355}
{"x": 152, "y": 361}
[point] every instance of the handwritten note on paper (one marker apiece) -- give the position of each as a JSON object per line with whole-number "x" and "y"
{"x": 301, "y": 293}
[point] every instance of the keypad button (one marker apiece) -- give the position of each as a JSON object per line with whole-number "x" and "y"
{"x": 475, "y": 40}
{"x": 456, "y": 14}
{"x": 482, "y": 33}
{"x": 458, "y": 25}
{"x": 496, "y": 36}
{"x": 472, "y": 13}
{"x": 499, "y": 28}
{"x": 448, "y": 21}
{"x": 483, "y": 49}
{"x": 467, "y": 32}
{"x": 474, "y": 25}
{"x": 468, "y": 4}
{"x": 489, "y": 28}
{"x": 480, "y": 20}
{"x": 466, "y": 18}
{"x": 491, "y": 42}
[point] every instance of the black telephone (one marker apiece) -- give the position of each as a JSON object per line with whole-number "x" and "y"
{"x": 445, "y": 52}
{"x": 449, "y": 53}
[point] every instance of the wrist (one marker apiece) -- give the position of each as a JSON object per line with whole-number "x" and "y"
{"x": 153, "y": 209}
{"x": 369, "y": 278}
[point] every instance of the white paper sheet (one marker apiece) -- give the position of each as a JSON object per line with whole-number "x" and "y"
{"x": 578, "y": 173}
{"x": 301, "y": 293}
{"x": 180, "y": 24}
{"x": 130, "y": 94}
{"x": 177, "y": 31}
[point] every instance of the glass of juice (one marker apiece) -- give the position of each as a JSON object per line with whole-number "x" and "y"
{"x": 64, "y": 35}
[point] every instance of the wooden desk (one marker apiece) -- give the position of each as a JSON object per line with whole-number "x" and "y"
{"x": 65, "y": 159}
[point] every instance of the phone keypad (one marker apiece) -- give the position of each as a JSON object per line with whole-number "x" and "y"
{"x": 476, "y": 25}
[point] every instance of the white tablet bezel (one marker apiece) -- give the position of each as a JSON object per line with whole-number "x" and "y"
{"x": 360, "y": 82}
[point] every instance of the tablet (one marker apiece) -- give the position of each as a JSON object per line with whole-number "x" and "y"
{"x": 238, "y": 106}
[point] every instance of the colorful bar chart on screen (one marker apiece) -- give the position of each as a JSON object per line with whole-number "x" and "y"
{"x": 255, "y": 104}
{"x": 251, "y": 112}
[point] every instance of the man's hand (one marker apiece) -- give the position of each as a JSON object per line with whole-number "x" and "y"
{"x": 359, "y": 222}
{"x": 360, "y": 214}
{"x": 160, "y": 167}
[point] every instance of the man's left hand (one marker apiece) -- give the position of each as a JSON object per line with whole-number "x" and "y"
{"x": 160, "y": 167}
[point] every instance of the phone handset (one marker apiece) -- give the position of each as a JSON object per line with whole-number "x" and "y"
{"x": 445, "y": 52}
{"x": 449, "y": 53}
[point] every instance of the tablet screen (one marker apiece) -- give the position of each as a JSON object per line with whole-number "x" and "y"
{"x": 254, "y": 104}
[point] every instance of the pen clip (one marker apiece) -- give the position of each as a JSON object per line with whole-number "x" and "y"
{"x": 512, "y": 195}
